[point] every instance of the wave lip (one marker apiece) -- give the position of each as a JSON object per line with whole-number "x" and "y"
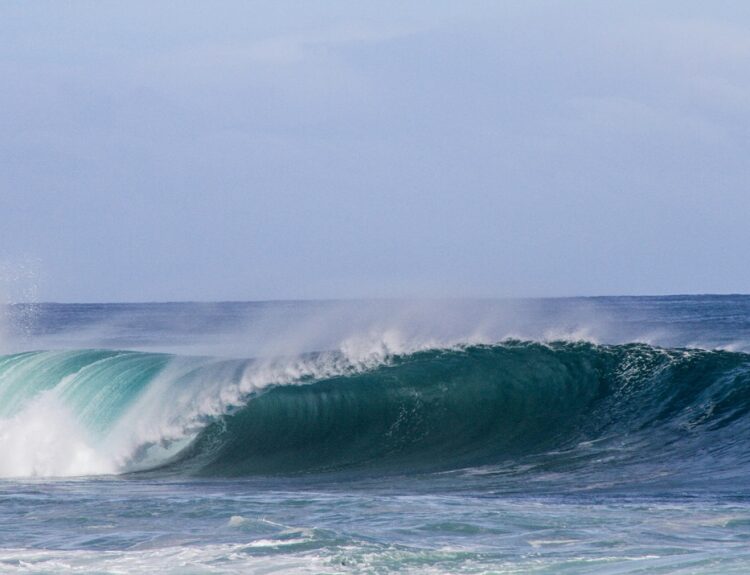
{"x": 516, "y": 407}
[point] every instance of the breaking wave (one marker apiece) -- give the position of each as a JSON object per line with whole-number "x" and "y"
{"x": 558, "y": 406}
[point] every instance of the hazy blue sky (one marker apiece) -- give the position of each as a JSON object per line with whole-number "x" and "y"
{"x": 248, "y": 150}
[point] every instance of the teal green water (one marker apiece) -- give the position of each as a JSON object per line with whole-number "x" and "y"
{"x": 440, "y": 455}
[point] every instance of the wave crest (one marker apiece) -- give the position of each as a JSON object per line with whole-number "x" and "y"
{"x": 555, "y": 406}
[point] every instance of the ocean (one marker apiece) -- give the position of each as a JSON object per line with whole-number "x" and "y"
{"x": 576, "y": 435}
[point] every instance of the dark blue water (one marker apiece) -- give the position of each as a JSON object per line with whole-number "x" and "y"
{"x": 591, "y": 435}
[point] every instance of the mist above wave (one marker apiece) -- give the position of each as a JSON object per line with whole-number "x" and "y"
{"x": 253, "y": 329}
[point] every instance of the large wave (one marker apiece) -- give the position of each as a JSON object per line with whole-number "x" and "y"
{"x": 556, "y": 406}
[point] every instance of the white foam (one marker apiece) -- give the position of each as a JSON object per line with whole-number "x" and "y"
{"x": 45, "y": 440}
{"x": 236, "y": 521}
{"x": 223, "y": 558}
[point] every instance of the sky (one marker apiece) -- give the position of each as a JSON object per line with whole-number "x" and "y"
{"x": 162, "y": 151}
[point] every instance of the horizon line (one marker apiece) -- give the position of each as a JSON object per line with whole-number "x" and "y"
{"x": 380, "y": 299}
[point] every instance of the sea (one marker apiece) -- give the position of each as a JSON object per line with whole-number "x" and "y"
{"x": 575, "y": 435}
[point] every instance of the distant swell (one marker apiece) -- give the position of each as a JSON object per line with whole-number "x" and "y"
{"x": 558, "y": 407}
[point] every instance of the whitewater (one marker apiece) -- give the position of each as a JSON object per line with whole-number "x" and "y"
{"x": 582, "y": 435}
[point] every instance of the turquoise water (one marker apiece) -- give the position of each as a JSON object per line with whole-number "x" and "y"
{"x": 605, "y": 435}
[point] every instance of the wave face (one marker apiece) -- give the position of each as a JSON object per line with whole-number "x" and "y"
{"x": 514, "y": 407}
